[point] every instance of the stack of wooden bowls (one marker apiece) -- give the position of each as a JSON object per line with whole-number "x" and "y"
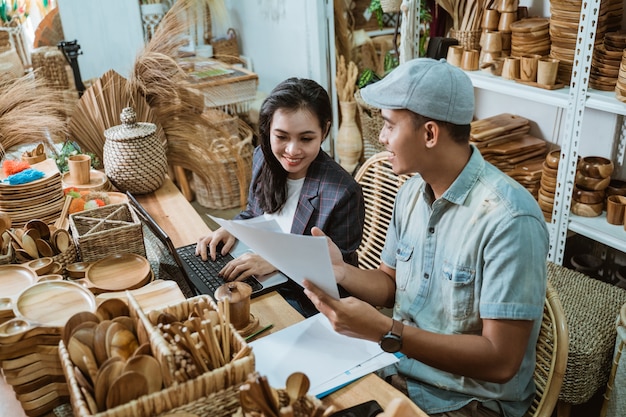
{"x": 547, "y": 184}
{"x": 593, "y": 176}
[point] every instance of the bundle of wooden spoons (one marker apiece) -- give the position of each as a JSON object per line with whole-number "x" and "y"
{"x": 37, "y": 240}
{"x": 258, "y": 399}
{"x": 112, "y": 361}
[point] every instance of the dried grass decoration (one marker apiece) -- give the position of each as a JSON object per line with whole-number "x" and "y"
{"x": 30, "y": 113}
{"x": 134, "y": 157}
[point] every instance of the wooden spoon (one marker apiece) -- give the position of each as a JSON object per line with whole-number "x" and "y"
{"x": 108, "y": 372}
{"x": 125, "y": 388}
{"x": 297, "y": 386}
{"x": 61, "y": 239}
{"x": 120, "y": 341}
{"x": 44, "y": 248}
{"x": 62, "y": 222}
{"x": 73, "y": 322}
{"x": 29, "y": 245}
{"x": 100, "y": 341}
{"x": 22, "y": 255}
{"x": 112, "y": 308}
{"x": 149, "y": 367}
{"x": 39, "y": 225}
{"x": 81, "y": 355}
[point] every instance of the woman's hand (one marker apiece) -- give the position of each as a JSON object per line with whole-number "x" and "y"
{"x": 207, "y": 245}
{"x": 246, "y": 265}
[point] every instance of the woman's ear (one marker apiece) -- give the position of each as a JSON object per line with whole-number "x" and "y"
{"x": 327, "y": 130}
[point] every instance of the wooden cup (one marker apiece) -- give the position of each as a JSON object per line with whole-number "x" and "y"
{"x": 528, "y": 67}
{"x": 80, "y": 167}
{"x": 491, "y": 41}
{"x": 511, "y": 68}
{"x": 547, "y": 70}
{"x": 469, "y": 62}
{"x": 491, "y": 19}
{"x": 506, "y": 18}
{"x": 615, "y": 207}
{"x": 508, "y": 6}
{"x": 455, "y": 54}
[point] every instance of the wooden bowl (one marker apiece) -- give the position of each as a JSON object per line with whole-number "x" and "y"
{"x": 596, "y": 167}
{"x": 552, "y": 159}
{"x": 590, "y": 183}
{"x": 588, "y": 197}
{"x": 41, "y": 266}
{"x": 586, "y": 210}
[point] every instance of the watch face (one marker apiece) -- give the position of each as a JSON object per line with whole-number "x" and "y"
{"x": 391, "y": 343}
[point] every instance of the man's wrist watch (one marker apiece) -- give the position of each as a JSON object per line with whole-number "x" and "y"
{"x": 392, "y": 341}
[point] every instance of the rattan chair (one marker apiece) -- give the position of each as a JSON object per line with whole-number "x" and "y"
{"x": 380, "y": 186}
{"x": 552, "y": 346}
{"x": 614, "y": 396}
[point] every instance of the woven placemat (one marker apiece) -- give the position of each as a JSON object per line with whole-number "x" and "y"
{"x": 591, "y": 308}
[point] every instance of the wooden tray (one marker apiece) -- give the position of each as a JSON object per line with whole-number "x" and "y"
{"x": 496, "y": 125}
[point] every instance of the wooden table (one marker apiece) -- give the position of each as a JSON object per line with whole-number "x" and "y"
{"x": 184, "y": 225}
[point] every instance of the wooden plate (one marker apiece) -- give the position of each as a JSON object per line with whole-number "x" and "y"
{"x": 14, "y": 279}
{"x": 52, "y": 303}
{"x": 97, "y": 181}
{"x": 119, "y": 272}
{"x": 531, "y": 24}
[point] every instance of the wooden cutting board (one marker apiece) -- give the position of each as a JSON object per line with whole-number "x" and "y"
{"x": 526, "y": 143}
{"x": 514, "y": 134}
{"x": 490, "y": 127}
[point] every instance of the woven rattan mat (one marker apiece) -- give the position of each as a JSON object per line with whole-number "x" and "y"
{"x": 591, "y": 308}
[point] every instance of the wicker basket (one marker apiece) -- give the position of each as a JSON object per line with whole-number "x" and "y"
{"x": 371, "y": 124}
{"x": 226, "y": 49}
{"x": 230, "y": 172}
{"x": 109, "y": 230}
{"x": 134, "y": 156}
{"x": 468, "y": 39}
{"x": 49, "y": 64}
{"x": 68, "y": 256}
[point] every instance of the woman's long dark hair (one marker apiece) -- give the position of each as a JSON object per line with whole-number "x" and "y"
{"x": 293, "y": 94}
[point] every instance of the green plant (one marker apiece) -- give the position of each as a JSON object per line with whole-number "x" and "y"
{"x": 68, "y": 149}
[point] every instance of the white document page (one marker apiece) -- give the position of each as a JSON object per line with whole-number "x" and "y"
{"x": 311, "y": 346}
{"x": 296, "y": 256}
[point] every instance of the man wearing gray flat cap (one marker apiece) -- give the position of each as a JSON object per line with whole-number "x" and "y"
{"x": 464, "y": 261}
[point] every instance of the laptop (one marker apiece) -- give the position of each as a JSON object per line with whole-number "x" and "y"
{"x": 203, "y": 276}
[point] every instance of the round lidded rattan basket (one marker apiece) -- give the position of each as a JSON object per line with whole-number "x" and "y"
{"x": 134, "y": 156}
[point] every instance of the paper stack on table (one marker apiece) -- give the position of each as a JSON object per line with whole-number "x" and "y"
{"x": 329, "y": 359}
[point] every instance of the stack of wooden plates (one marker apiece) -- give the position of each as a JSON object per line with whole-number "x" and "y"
{"x": 606, "y": 62}
{"x": 503, "y": 140}
{"x": 530, "y": 36}
{"x": 41, "y": 199}
{"x": 620, "y": 86}
{"x": 29, "y": 343}
{"x": 564, "y": 20}
{"x": 98, "y": 181}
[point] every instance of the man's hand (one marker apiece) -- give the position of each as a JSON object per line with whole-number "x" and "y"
{"x": 349, "y": 316}
{"x": 336, "y": 258}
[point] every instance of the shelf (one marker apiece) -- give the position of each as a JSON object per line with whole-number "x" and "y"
{"x": 597, "y": 228}
{"x": 605, "y": 101}
{"x": 490, "y": 82}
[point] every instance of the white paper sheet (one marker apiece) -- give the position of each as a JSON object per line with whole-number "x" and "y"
{"x": 296, "y": 256}
{"x": 311, "y": 346}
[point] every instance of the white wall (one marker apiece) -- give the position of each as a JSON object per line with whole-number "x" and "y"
{"x": 109, "y": 33}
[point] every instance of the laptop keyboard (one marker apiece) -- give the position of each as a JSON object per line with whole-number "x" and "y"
{"x": 207, "y": 272}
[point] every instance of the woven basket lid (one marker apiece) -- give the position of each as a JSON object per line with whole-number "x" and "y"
{"x": 130, "y": 128}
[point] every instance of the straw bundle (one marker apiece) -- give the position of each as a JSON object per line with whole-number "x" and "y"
{"x": 346, "y": 79}
{"x": 30, "y": 112}
{"x": 466, "y": 15}
{"x": 99, "y": 109}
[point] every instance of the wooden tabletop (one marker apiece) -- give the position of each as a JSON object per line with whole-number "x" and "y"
{"x": 179, "y": 219}
{"x": 184, "y": 225}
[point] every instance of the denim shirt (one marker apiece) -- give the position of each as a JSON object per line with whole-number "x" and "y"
{"x": 478, "y": 252}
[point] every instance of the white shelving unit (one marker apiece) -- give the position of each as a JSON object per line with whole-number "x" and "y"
{"x": 572, "y": 102}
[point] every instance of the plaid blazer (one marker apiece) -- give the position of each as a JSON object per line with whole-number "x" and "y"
{"x": 330, "y": 199}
